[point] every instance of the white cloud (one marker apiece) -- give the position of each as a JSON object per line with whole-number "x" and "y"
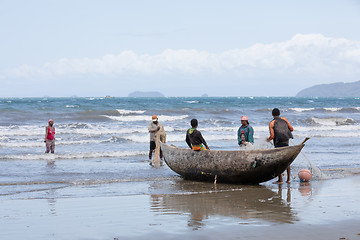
{"x": 310, "y": 54}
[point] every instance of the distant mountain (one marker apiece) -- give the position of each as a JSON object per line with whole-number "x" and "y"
{"x": 338, "y": 89}
{"x": 146, "y": 94}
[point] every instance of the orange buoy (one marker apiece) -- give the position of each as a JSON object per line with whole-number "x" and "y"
{"x": 304, "y": 175}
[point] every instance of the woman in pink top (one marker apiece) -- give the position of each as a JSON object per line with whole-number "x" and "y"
{"x": 50, "y": 137}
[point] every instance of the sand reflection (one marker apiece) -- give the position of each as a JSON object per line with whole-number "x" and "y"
{"x": 305, "y": 188}
{"x": 244, "y": 202}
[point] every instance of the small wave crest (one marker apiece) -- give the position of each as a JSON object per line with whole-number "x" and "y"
{"x": 333, "y": 121}
{"x": 136, "y": 118}
{"x": 64, "y": 156}
{"x": 65, "y": 183}
{"x": 76, "y": 129}
{"x": 302, "y": 109}
{"x": 129, "y": 112}
{"x": 342, "y": 109}
{"x": 332, "y": 109}
{"x": 78, "y": 125}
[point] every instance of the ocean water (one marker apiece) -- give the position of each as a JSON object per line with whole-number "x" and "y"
{"x": 104, "y": 141}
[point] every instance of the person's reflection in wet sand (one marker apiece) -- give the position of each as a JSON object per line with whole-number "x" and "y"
{"x": 51, "y": 201}
{"x": 50, "y": 163}
{"x": 155, "y": 203}
{"x": 288, "y": 193}
{"x": 50, "y": 167}
{"x": 195, "y": 221}
{"x": 196, "y": 217}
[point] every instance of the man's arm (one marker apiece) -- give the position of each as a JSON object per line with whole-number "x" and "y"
{"x": 251, "y": 135}
{"x": 188, "y": 140}
{"x": 203, "y": 140}
{"x": 153, "y": 128}
{"x": 46, "y": 133}
{"x": 271, "y": 130}
{"x": 289, "y": 125}
{"x": 239, "y": 136}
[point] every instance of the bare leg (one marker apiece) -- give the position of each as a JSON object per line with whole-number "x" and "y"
{"x": 52, "y": 146}
{"x": 288, "y": 195}
{"x": 288, "y": 174}
{"x": 150, "y": 155}
{"x": 280, "y": 179}
{"x": 47, "y": 146}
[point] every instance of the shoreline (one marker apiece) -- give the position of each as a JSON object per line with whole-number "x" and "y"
{"x": 326, "y": 209}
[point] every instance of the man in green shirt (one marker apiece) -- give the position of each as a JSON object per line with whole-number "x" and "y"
{"x": 245, "y": 132}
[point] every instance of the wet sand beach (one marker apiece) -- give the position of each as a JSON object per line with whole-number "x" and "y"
{"x": 179, "y": 209}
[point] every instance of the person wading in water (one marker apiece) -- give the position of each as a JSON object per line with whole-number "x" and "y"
{"x": 154, "y": 128}
{"x": 50, "y": 137}
{"x": 280, "y": 132}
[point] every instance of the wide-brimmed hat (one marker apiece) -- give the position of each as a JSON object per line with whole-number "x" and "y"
{"x": 245, "y": 118}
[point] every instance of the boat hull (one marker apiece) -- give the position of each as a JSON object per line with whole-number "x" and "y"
{"x": 243, "y": 166}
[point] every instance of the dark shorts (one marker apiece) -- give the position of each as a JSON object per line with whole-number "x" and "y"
{"x": 282, "y": 144}
{"x": 152, "y": 145}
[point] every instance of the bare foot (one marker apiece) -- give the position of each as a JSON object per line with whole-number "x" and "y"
{"x": 278, "y": 182}
{"x": 288, "y": 181}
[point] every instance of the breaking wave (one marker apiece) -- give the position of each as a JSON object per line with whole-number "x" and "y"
{"x": 136, "y": 118}
{"x": 302, "y": 109}
{"x": 128, "y": 112}
{"x": 333, "y": 121}
{"x": 63, "y": 156}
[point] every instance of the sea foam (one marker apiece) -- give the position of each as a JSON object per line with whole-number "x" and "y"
{"x": 64, "y": 156}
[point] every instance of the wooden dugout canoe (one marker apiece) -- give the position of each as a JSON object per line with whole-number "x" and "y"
{"x": 243, "y": 166}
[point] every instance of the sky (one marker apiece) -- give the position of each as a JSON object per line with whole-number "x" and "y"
{"x": 179, "y": 48}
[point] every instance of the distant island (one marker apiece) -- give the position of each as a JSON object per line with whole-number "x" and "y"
{"x": 339, "y": 89}
{"x": 145, "y": 94}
